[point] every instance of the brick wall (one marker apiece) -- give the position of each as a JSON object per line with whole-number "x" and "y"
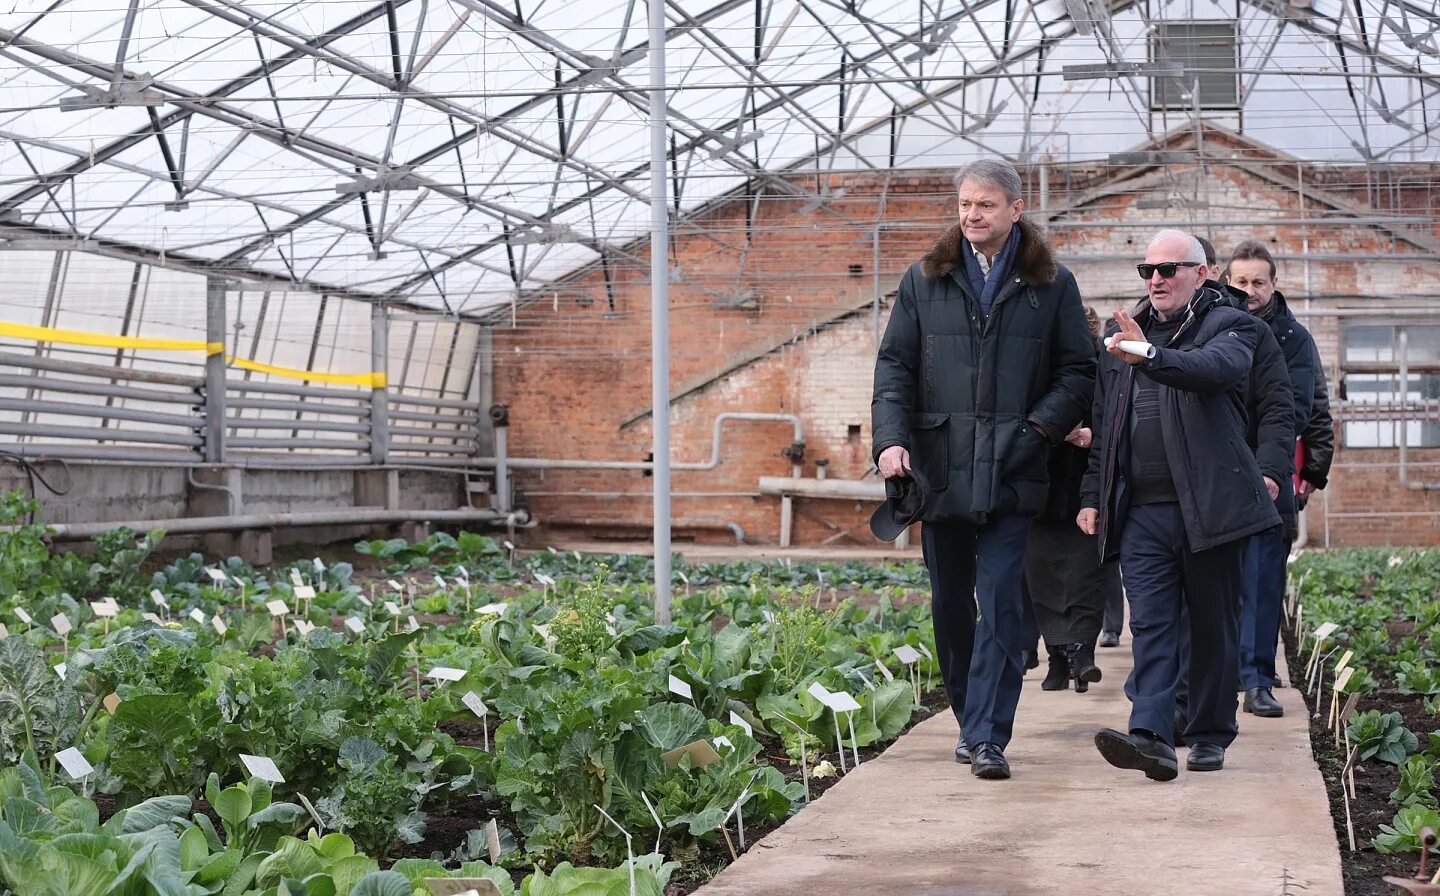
{"x": 575, "y": 369}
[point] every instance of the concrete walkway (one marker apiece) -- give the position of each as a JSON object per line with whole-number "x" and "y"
{"x": 914, "y": 822}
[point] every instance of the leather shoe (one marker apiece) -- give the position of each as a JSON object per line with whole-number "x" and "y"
{"x": 1109, "y": 639}
{"x": 1140, "y": 750}
{"x": 989, "y": 763}
{"x": 1205, "y": 758}
{"x": 962, "y": 752}
{"x": 1263, "y": 703}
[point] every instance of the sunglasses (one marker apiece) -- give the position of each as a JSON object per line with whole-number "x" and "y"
{"x": 1166, "y": 268}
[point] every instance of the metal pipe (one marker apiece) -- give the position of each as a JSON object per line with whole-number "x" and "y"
{"x": 502, "y": 468}
{"x": 234, "y": 501}
{"x": 356, "y": 445}
{"x": 215, "y": 371}
{"x": 68, "y": 409}
{"x": 472, "y": 420}
{"x": 659, "y": 311}
{"x": 449, "y": 403}
{"x": 102, "y": 371}
{"x": 303, "y": 391}
{"x": 96, "y": 434}
{"x": 453, "y": 434}
{"x": 77, "y": 387}
{"x": 844, "y": 489}
{"x": 269, "y": 404}
{"x": 301, "y": 425}
{"x": 379, "y": 395}
{"x": 348, "y": 517}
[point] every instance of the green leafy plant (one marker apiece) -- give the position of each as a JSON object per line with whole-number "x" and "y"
{"x": 1417, "y": 782}
{"x": 1382, "y": 736}
{"x": 1403, "y": 832}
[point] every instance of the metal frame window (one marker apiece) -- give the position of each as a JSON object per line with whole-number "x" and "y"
{"x": 1392, "y": 385}
{"x": 1210, "y": 54}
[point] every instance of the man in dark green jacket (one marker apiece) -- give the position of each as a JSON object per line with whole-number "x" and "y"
{"x": 986, "y": 362}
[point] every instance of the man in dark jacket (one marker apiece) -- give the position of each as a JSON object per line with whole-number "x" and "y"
{"x": 1318, "y": 439}
{"x": 1174, "y": 491}
{"x": 985, "y": 363}
{"x": 1252, "y": 270}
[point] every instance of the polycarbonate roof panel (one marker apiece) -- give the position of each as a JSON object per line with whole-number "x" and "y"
{"x": 421, "y": 150}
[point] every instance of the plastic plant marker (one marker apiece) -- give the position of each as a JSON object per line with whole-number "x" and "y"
{"x": 262, "y": 767}
{"x": 4, "y": 632}
{"x": 158, "y": 598}
{"x": 446, "y": 673}
{"x": 678, "y": 686}
{"x": 23, "y": 616}
{"x": 722, "y": 741}
{"x": 413, "y": 624}
{"x": 303, "y": 628}
{"x": 314, "y": 816}
{"x": 395, "y": 586}
{"x": 738, "y": 721}
{"x": 629, "y": 846}
{"x": 492, "y": 841}
{"x": 111, "y": 703}
{"x": 216, "y": 576}
{"x": 365, "y": 602}
{"x": 473, "y": 703}
{"x": 551, "y": 549}
{"x": 804, "y": 759}
{"x": 304, "y": 592}
{"x": 319, "y": 565}
{"x": 197, "y": 616}
{"x": 391, "y": 607}
{"x": 700, "y": 752}
{"x": 885, "y": 671}
{"x": 219, "y": 625}
{"x": 906, "y": 654}
{"x": 74, "y": 763}
{"x": 737, "y": 809}
{"x": 818, "y": 691}
{"x": 440, "y": 582}
{"x": 495, "y": 609}
{"x": 659, "y": 825}
{"x": 295, "y": 578}
{"x": 152, "y": 618}
{"x": 355, "y": 625}
{"x": 61, "y": 623}
{"x": 460, "y": 886}
{"x": 277, "y": 608}
{"x": 105, "y": 609}
{"x": 61, "y": 669}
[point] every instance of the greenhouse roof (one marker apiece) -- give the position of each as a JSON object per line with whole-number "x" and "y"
{"x": 454, "y": 153}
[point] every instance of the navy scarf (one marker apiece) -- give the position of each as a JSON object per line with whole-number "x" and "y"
{"x": 988, "y": 288}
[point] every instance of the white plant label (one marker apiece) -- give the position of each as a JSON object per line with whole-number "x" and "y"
{"x": 544, "y": 579}
{"x": 493, "y": 609}
{"x": 159, "y": 599}
{"x": 394, "y": 585}
{"x": 319, "y": 565}
{"x": 304, "y": 592}
{"x": 364, "y": 601}
{"x": 440, "y": 582}
{"x": 277, "y": 607}
{"x": 1325, "y": 631}
{"x": 219, "y": 625}
{"x": 722, "y": 741}
{"x": 151, "y": 617}
{"x": 103, "y": 609}
{"x": 354, "y": 624}
{"x": 923, "y": 649}
{"x": 840, "y": 701}
{"x": 391, "y": 608}
{"x": 508, "y": 545}
{"x": 262, "y": 767}
{"x": 818, "y": 691}
{"x": 413, "y": 624}
{"x": 295, "y": 578}
{"x": 1345, "y": 659}
{"x": 61, "y": 623}
{"x": 217, "y": 576}
{"x": 446, "y": 673}
{"x": 303, "y": 627}
{"x": 61, "y": 669}
{"x": 4, "y": 632}
{"x": 473, "y": 703}
{"x": 1343, "y": 680}
{"x": 198, "y": 616}
{"x": 74, "y": 763}
{"x": 681, "y": 687}
{"x": 739, "y": 722}
{"x": 906, "y": 654}
{"x": 23, "y": 616}
{"x": 492, "y": 840}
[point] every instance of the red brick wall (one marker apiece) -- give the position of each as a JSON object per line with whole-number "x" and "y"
{"x": 576, "y": 374}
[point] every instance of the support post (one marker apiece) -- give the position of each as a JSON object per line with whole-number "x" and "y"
{"x": 502, "y": 466}
{"x": 659, "y": 312}
{"x": 379, "y": 394}
{"x": 215, "y": 371}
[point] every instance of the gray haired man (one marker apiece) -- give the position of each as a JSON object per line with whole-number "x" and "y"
{"x": 986, "y": 363}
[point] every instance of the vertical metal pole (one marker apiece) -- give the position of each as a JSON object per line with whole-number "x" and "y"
{"x": 379, "y": 395}
{"x": 659, "y": 312}
{"x": 215, "y": 372}
{"x": 502, "y": 469}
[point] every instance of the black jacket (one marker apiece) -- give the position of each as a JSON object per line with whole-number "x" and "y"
{"x": 970, "y": 399}
{"x": 1299, "y": 348}
{"x": 1203, "y": 373}
{"x": 1318, "y": 434}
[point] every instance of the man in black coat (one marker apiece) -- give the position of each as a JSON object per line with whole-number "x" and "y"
{"x": 1252, "y": 270}
{"x": 985, "y": 363}
{"x": 1318, "y": 437}
{"x": 1174, "y": 491}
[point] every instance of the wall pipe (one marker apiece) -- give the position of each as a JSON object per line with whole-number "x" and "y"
{"x": 234, "y": 500}
{"x": 353, "y": 516}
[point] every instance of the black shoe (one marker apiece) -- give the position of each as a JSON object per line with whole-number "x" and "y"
{"x": 1058, "y": 676}
{"x": 1263, "y": 703}
{"x": 1082, "y": 665}
{"x": 1140, "y": 751}
{"x": 1205, "y": 758}
{"x": 962, "y": 752}
{"x": 990, "y": 763}
{"x": 1109, "y": 639}
{"x": 1178, "y": 729}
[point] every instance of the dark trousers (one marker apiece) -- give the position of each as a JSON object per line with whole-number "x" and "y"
{"x": 1029, "y": 628}
{"x": 1265, "y": 556}
{"x": 1114, "y": 611}
{"x": 979, "y": 659}
{"x": 1161, "y": 575}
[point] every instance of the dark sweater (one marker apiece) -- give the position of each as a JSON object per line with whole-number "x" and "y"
{"x": 1148, "y": 476}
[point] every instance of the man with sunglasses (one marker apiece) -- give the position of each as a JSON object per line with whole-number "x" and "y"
{"x": 986, "y": 362}
{"x": 1173, "y": 490}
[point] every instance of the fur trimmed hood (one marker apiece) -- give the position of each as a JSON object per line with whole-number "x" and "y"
{"x": 1034, "y": 262}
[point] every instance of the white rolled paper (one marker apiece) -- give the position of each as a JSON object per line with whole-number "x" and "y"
{"x": 1134, "y": 347}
